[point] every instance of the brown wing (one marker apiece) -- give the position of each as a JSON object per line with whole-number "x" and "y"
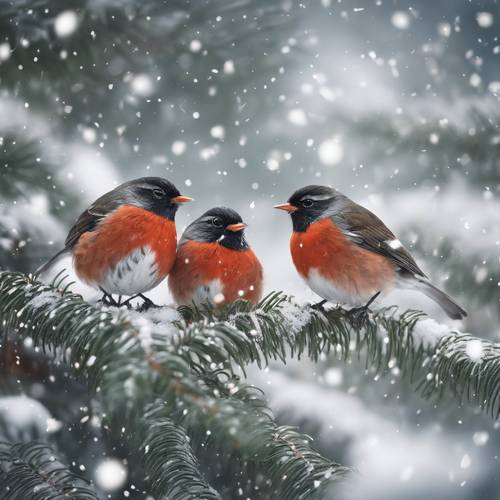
{"x": 366, "y": 230}
{"x": 89, "y": 219}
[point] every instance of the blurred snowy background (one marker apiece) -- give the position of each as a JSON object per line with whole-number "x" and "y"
{"x": 239, "y": 103}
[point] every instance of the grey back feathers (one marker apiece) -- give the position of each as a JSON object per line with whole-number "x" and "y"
{"x": 366, "y": 230}
{"x": 151, "y": 193}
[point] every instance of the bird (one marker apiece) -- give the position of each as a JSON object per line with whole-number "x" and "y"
{"x": 125, "y": 243}
{"x": 214, "y": 264}
{"x": 346, "y": 254}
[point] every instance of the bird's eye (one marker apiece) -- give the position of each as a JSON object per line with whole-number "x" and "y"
{"x": 158, "y": 193}
{"x": 216, "y": 222}
{"x": 307, "y": 203}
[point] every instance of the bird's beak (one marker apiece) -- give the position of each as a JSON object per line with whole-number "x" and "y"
{"x": 182, "y": 199}
{"x": 287, "y": 207}
{"x": 236, "y": 227}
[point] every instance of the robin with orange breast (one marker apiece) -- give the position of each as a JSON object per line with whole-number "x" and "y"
{"x": 347, "y": 255}
{"x": 125, "y": 242}
{"x": 214, "y": 264}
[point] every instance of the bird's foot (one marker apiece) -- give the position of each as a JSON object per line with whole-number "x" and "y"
{"x": 319, "y": 305}
{"x": 108, "y": 300}
{"x": 127, "y": 303}
{"x": 147, "y": 304}
{"x": 359, "y": 315}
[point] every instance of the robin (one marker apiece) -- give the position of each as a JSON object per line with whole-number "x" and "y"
{"x": 125, "y": 242}
{"x": 346, "y": 254}
{"x": 214, "y": 264}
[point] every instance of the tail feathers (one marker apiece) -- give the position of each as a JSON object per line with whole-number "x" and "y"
{"x": 45, "y": 267}
{"x": 450, "y": 307}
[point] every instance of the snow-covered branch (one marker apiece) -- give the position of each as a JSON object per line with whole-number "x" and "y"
{"x": 188, "y": 359}
{"x": 130, "y": 371}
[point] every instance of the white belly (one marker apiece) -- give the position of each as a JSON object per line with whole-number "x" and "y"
{"x": 136, "y": 273}
{"x": 209, "y": 294}
{"x": 326, "y": 289}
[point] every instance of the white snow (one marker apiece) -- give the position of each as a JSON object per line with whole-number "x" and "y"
{"x": 295, "y": 315}
{"x": 110, "y": 474}
{"x": 66, "y": 23}
{"x": 444, "y": 29}
{"x": 297, "y": 117}
{"x": 5, "y": 51}
{"x": 480, "y": 438}
{"x": 217, "y": 132}
{"x": 22, "y": 414}
{"x": 474, "y": 349}
{"x": 274, "y": 160}
{"x": 195, "y": 45}
{"x": 228, "y": 67}
{"x": 484, "y": 19}
{"x": 43, "y": 299}
{"x": 142, "y": 85}
{"x": 154, "y": 323}
{"x": 330, "y": 151}
{"x": 429, "y": 332}
{"x": 465, "y": 463}
{"x": 401, "y": 20}
{"x": 178, "y": 148}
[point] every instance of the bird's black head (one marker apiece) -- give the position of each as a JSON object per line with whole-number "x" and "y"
{"x": 154, "y": 194}
{"x": 309, "y": 204}
{"x": 222, "y": 225}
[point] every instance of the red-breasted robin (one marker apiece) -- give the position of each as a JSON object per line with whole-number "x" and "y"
{"x": 347, "y": 255}
{"x": 125, "y": 242}
{"x": 214, "y": 263}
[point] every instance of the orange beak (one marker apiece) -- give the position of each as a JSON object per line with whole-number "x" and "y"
{"x": 236, "y": 227}
{"x": 182, "y": 199}
{"x": 287, "y": 207}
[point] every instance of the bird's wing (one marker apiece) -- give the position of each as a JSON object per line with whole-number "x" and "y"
{"x": 89, "y": 219}
{"x": 366, "y": 230}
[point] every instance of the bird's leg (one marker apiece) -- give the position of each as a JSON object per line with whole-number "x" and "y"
{"x": 127, "y": 302}
{"x": 359, "y": 315}
{"x": 147, "y": 304}
{"x": 319, "y": 305}
{"x": 107, "y": 299}
{"x": 370, "y": 302}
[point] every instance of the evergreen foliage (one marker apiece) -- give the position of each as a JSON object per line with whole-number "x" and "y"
{"x": 172, "y": 403}
{"x": 34, "y": 471}
{"x": 188, "y": 386}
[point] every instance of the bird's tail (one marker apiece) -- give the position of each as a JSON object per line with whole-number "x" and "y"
{"x": 45, "y": 267}
{"x": 450, "y": 307}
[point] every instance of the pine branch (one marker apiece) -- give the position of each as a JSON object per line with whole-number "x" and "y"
{"x": 242, "y": 417}
{"x": 458, "y": 363}
{"x": 33, "y": 471}
{"x": 129, "y": 372}
{"x": 173, "y": 468}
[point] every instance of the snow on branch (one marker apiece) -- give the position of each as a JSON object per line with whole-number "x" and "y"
{"x": 130, "y": 370}
{"x": 437, "y": 359}
{"x": 189, "y": 359}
